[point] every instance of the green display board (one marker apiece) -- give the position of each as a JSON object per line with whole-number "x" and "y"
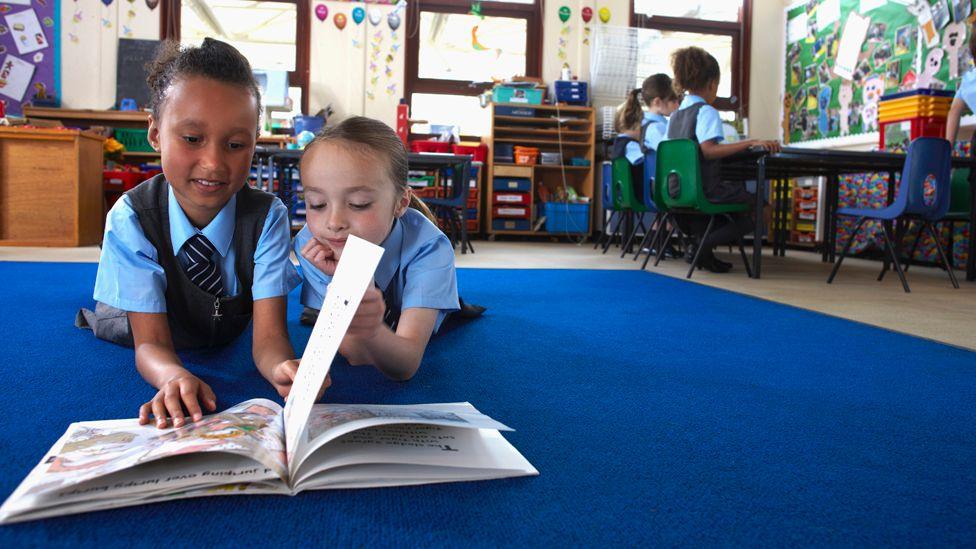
{"x": 906, "y": 45}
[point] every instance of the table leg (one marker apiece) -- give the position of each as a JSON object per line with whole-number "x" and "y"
{"x": 758, "y": 214}
{"x": 833, "y": 203}
{"x": 971, "y": 248}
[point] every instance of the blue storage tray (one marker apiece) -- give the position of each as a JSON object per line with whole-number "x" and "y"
{"x": 564, "y": 218}
{"x": 511, "y": 224}
{"x": 512, "y": 184}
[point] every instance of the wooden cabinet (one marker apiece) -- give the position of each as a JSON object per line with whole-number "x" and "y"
{"x": 565, "y": 131}
{"x": 50, "y": 187}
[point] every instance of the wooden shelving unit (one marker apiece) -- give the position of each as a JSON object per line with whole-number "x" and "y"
{"x": 566, "y": 129}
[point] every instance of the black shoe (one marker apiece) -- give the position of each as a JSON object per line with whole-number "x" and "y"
{"x": 711, "y": 264}
{"x": 671, "y": 252}
{"x": 309, "y": 316}
{"x": 690, "y": 252}
{"x": 470, "y": 310}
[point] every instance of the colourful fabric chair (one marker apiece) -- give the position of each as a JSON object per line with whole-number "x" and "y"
{"x": 679, "y": 186}
{"x": 927, "y": 156}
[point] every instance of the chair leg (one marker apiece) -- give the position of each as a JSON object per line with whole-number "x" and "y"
{"x": 847, "y": 247}
{"x": 911, "y": 255}
{"x": 942, "y": 256}
{"x": 647, "y": 236}
{"x": 606, "y": 229}
{"x": 655, "y": 238}
{"x": 742, "y": 249}
{"x": 633, "y": 234}
{"x": 620, "y": 221}
{"x": 894, "y": 258}
{"x": 701, "y": 244}
{"x": 463, "y": 223}
{"x": 664, "y": 246}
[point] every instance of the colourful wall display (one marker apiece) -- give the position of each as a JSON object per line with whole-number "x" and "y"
{"x": 29, "y": 53}
{"x": 843, "y": 55}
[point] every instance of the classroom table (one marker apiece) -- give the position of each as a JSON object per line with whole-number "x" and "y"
{"x": 793, "y": 162}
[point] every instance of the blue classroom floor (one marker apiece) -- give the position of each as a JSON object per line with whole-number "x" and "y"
{"x": 657, "y": 411}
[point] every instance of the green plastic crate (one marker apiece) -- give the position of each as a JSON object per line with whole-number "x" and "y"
{"x": 134, "y": 140}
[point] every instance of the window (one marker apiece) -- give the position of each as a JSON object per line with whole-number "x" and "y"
{"x": 719, "y": 26}
{"x": 272, "y": 34}
{"x": 452, "y": 56}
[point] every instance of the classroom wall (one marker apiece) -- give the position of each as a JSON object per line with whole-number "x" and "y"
{"x": 570, "y": 42}
{"x": 765, "y": 69}
{"x": 89, "y": 44}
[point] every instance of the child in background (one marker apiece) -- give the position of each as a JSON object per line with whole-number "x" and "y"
{"x": 354, "y": 176}
{"x": 641, "y": 131}
{"x": 192, "y": 255}
{"x": 965, "y": 95}
{"x": 697, "y": 74}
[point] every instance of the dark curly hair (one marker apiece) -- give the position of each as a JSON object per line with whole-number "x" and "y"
{"x": 694, "y": 69}
{"x": 213, "y": 59}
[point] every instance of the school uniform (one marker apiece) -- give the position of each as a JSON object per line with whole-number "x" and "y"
{"x": 154, "y": 260}
{"x": 416, "y": 270}
{"x": 967, "y": 90}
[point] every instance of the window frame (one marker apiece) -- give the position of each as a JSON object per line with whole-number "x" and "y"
{"x": 532, "y": 13}
{"x": 170, "y": 20}
{"x": 740, "y": 31}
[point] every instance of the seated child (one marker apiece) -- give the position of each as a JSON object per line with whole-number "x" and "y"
{"x": 354, "y": 176}
{"x": 697, "y": 73}
{"x": 965, "y": 95}
{"x": 191, "y": 256}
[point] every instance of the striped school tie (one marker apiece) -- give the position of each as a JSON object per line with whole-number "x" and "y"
{"x": 202, "y": 269}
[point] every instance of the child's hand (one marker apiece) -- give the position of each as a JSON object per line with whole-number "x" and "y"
{"x": 368, "y": 319}
{"x": 772, "y": 146}
{"x": 320, "y": 255}
{"x": 183, "y": 390}
{"x": 284, "y": 374}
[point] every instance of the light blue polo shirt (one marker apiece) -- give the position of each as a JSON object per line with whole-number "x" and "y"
{"x": 654, "y": 131}
{"x": 708, "y": 124}
{"x": 416, "y": 251}
{"x": 130, "y": 276}
{"x": 967, "y": 89}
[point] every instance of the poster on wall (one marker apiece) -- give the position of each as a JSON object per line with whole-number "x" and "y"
{"x": 30, "y": 54}
{"x": 842, "y": 56}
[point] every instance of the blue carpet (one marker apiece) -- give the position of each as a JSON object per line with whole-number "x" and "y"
{"x": 657, "y": 411}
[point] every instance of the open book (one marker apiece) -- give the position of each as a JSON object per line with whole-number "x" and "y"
{"x": 258, "y": 447}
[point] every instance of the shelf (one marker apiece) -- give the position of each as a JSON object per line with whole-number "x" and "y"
{"x": 546, "y": 166}
{"x": 553, "y": 142}
{"x": 553, "y": 108}
{"x": 526, "y": 131}
{"x": 538, "y": 120}
{"x": 151, "y": 154}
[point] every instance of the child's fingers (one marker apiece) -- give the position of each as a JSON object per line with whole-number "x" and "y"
{"x": 159, "y": 411}
{"x": 209, "y": 398}
{"x": 188, "y": 394}
{"x": 174, "y": 406}
{"x": 144, "y": 412}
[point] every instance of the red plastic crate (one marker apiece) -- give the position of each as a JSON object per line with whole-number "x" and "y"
{"x": 510, "y": 198}
{"x": 478, "y": 152}
{"x": 426, "y": 146}
{"x": 121, "y": 181}
{"x": 919, "y": 126}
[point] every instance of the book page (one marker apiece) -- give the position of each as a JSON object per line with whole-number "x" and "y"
{"x": 353, "y": 275}
{"x": 851, "y": 39}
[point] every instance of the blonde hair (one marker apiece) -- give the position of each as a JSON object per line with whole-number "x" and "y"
{"x": 376, "y": 137}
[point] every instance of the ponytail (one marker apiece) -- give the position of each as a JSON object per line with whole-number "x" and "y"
{"x": 630, "y": 113}
{"x": 421, "y": 207}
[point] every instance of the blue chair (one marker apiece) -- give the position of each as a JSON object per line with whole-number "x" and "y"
{"x": 609, "y": 231}
{"x": 927, "y": 156}
{"x": 454, "y": 208}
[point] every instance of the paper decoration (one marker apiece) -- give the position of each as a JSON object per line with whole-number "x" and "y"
{"x": 152, "y": 4}
{"x": 604, "y": 14}
{"x": 393, "y": 20}
{"x": 476, "y": 10}
{"x": 868, "y": 5}
{"x": 107, "y": 2}
{"x": 26, "y": 31}
{"x": 823, "y": 104}
{"x": 15, "y": 77}
{"x": 873, "y": 88}
{"x": 358, "y": 14}
{"x": 940, "y": 14}
{"x": 828, "y": 12}
{"x": 322, "y": 12}
{"x": 375, "y": 16}
{"x": 933, "y": 62}
{"x": 844, "y": 96}
{"x": 587, "y": 14}
{"x": 852, "y": 37}
{"x": 564, "y": 13}
{"x": 953, "y": 38}
{"x": 17, "y": 2}
{"x": 961, "y": 9}
{"x": 340, "y": 20}
{"x": 796, "y": 29}
{"x": 923, "y": 12}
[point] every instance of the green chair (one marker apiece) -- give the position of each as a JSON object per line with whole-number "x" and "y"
{"x": 626, "y": 201}
{"x": 679, "y": 184}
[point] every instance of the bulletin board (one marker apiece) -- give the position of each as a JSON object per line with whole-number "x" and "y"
{"x": 29, "y": 52}
{"x": 843, "y": 55}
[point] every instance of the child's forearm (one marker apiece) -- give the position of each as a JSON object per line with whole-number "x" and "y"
{"x": 952, "y": 123}
{"x": 395, "y": 356}
{"x": 715, "y": 151}
{"x": 270, "y": 351}
{"x": 158, "y": 364}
